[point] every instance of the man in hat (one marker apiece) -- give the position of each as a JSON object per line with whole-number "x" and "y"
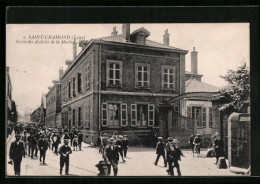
{"x": 103, "y": 168}
{"x": 115, "y": 135}
{"x": 218, "y": 146}
{"x": 160, "y": 147}
{"x": 191, "y": 142}
{"x": 64, "y": 152}
{"x": 33, "y": 145}
{"x": 43, "y": 146}
{"x": 197, "y": 142}
{"x": 99, "y": 139}
{"x": 125, "y": 143}
{"x": 111, "y": 156}
{"x": 75, "y": 143}
{"x": 119, "y": 146}
{"x": 16, "y": 153}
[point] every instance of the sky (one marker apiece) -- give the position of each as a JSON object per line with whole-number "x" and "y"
{"x": 33, "y": 66}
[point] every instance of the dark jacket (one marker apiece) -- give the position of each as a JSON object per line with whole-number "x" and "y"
{"x": 42, "y": 144}
{"x": 119, "y": 145}
{"x": 17, "y": 151}
{"x": 160, "y": 148}
{"x": 111, "y": 155}
{"x": 63, "y": 151}
{"x": 125, "y": 143}
{"x": 219, "y": 146}
{"x": 80, "y": 137}
{"x": 174, "y": 153}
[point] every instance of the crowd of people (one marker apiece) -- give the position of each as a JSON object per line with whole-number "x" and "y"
{"x": 112, "y": 148}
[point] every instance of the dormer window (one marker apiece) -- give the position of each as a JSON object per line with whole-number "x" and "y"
{"x": 139, "y": 36}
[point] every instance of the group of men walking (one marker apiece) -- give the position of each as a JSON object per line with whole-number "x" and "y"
{"x": 171, "y": 154}
{"x": 111, "y": 148}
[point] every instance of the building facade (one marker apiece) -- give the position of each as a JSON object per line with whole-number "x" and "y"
{"x": 43, "y": 110}
{"x": 116, "y": 83}
{"x": 53, "y": 105}
{"x": 35, "y": 115}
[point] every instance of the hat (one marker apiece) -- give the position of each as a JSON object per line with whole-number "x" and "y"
{"x": 115, "y": 132}
{"x": 120, "y": 136}
{"x": 66, "y": 140}
{"x": 112, "y": 139}
{"x": 159, "y": 138}
{"x": 17, "y": 135}
{"x": 169, "y": 139}
{"x": 102, "y": 162}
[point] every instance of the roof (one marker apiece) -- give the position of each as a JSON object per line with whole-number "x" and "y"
{"x": 193, "y": 85}
{"x": 121, "y": 39}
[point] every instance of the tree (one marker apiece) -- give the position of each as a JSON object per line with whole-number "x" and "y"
{"x": 237, "y": 92}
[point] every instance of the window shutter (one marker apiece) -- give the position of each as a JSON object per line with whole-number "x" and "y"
{"x": 210, "y": 117}
{"x": 151, "y": 115}
{"x": 133, "y": 114}
{"x": 174, "y": 78}
{"x": 124, "y": 119}
{"x": 189, "y": 112}
{"x": 104, "y": 114}
{"x": 204, "y": 116}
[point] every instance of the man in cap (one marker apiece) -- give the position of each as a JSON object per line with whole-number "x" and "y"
{"x": 169, "y": 154}
{"x": 125, "y": 143}
{"x": 197, "y": 142}
{"x": 160, "y": 147}
{"x": 177, "y": 153}
{"x": 43, "y": 146}
{"x": 103, "y": 168}
{"x": 119, "y": 144}
{"x": 64, "y": 152}
{"x": 111, "y": 156}
{"x": 104, "y": 142}
{"x": 16, "y": 153}
{"x": 218, "y": 146}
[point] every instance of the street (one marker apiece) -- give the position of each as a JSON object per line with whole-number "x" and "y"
{"x": 139, "y": 162}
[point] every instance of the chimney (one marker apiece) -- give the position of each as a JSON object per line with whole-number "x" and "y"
{"x": 114, "y": 33}
{"x": 60, "y": 72}
{"x": 126, "y": 31}
{"x": 68, "y": 62}
{"x": 83, "y": 44}
{"x": 74, "y": 49}
{"x": 166, "y": 37}
{"x": 7, "y": 70}
{"x": 194, "y": 61}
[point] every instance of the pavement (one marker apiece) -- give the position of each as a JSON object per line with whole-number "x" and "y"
{"x": 139, "y": 162}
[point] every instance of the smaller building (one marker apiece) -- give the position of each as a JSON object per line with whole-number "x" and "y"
{"x": 53, "y": 104}
{"x": 35, "y": 115}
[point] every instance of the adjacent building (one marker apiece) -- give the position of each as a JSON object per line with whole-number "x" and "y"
{"x": 116, "y": 83}
{"x": 43, "y": 110}
{"x": 35, "y": 115}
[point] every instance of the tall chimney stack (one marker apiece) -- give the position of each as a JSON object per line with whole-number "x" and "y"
{"x": 74, "y": 49}
{"x": 194, "y": 61}
{"x": 114, "y": 33}
{"x": 126, "y": 31}
{"x": 166, "y": 38}
{"x": 60, "y": 72}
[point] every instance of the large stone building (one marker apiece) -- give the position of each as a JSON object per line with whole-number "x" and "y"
{"x": 116, "y": 83}
{"x": 10, "y": 104}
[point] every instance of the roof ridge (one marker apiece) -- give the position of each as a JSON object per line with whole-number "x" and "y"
{"x": 203, "y": 82}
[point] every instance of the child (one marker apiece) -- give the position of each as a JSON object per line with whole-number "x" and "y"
{"x": 75, "y": 142}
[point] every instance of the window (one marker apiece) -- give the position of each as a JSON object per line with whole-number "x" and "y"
{"x": 74, "y": 86}
{"x": 104, "y": 114}
{"x": 204, "y": 116}
{"x": 87, "y": 115}
{"x": 113, "y": 114}
{"x": 168, "y": 77}
{"x": 133, "y": 114}
{"x": 79, "y": 83}
{"x": 210, "y": 117}
{"x": 124, "y": 118}
{"x": 73, "y": 117}
{"x": 142, "y": 75}
{"x": 151, "y": 115}
{"x": 79, "y": 116}
{"x": 87, "y": 77}
{"x": 176, "y": 109}
{"x": 69, "y": 91}
{"x": 114, "y": 73}
{"x": 196, "y": 115}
